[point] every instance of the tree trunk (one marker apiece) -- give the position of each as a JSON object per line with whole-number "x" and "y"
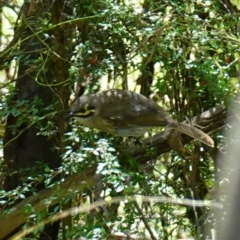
{"x": 24, "y": 146}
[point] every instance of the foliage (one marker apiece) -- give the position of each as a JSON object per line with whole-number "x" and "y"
{"x": 181, "y": 53}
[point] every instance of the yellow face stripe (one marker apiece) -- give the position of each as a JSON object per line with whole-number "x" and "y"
{"x": 87, "y": 112}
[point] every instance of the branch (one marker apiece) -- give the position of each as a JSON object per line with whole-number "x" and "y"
{"x": 210, "y": 121}
{"x": 6, "y": 55}
{"x": 46, "y": 197}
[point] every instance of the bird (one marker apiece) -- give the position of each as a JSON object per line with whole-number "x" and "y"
{"x": 125, "y": 113}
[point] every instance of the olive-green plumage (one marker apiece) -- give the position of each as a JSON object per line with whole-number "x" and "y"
{"x": 127, "y": 113}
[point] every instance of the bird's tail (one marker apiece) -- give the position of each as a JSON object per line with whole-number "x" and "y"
{"x": 192, "y": 132}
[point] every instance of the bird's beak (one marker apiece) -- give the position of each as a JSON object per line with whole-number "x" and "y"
{"x": 70, "y": 115}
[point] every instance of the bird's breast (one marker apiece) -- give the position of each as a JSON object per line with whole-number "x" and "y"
{"x": 96, "y": 122}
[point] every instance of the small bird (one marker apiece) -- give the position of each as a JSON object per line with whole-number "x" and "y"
{"x": 126, "y": 113}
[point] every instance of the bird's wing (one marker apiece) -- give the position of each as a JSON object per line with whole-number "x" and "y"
{"x": 127, "y": 109}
